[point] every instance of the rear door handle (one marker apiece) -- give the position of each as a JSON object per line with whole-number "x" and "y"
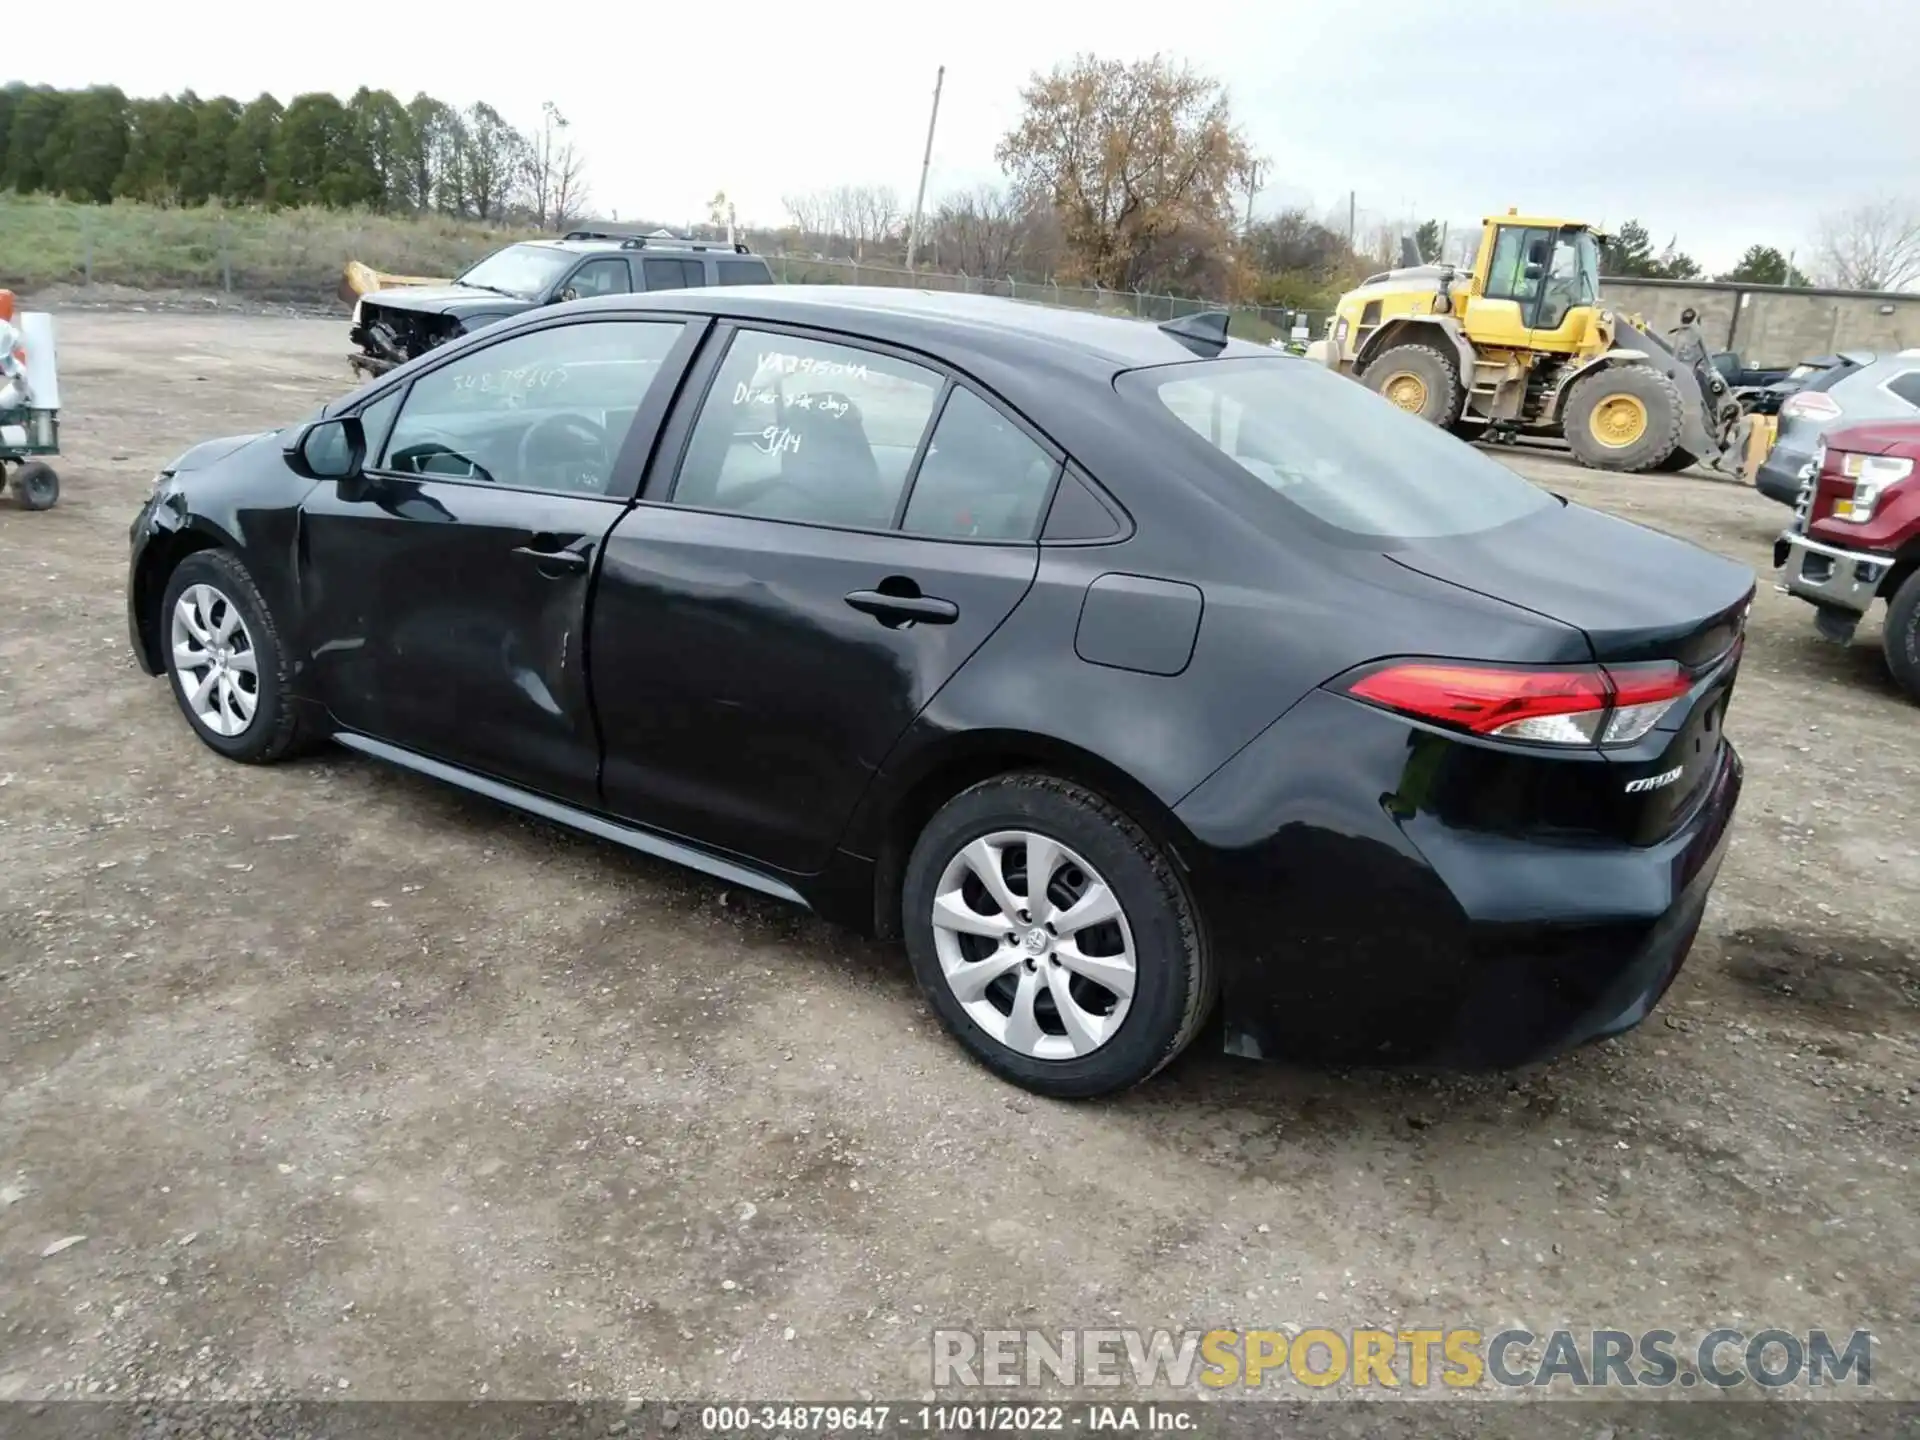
{"x": 557, "y": 560}
{"x": 892, "y": 610}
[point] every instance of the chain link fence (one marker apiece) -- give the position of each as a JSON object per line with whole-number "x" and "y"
{"x": 298, "y": 256}
{"x": 1249, "y": 322}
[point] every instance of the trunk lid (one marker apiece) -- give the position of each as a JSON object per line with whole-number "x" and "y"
{"x": 1637, "y": 594}
{"x": 1640, "y": 597}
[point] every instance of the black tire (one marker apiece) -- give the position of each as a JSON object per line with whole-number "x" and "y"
{"x": 1174, "y": 981}
{"x": 36, "y": 485}
{"x": 1438, "y": 372}
{"x": 1657, "y": 441}
{"x": 280, "y": 726}
{"x": 1675, "y": 463}
{"x": 1900, "y": 637}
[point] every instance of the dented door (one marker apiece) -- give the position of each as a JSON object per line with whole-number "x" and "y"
{"x": 447, "y": 618}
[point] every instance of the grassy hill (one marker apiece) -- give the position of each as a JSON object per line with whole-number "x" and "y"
{"x": 290, "y": 255}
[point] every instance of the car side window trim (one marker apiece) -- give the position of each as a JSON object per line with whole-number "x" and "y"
{"x": 648, "y": 420}
{"x": 920, "y": 456}
{"x": 670, "y": 455}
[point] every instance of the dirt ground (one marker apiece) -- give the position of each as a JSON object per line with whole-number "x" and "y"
{"x": 351, "y": 1084}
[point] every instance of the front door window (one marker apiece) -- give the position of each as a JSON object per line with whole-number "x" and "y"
{"x": 546, "y": 410}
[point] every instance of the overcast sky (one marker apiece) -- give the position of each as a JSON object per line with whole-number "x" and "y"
{"x": 1722, "y": 124}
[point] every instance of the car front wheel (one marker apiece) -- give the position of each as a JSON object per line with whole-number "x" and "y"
{"x": 1901, "y": 637}
{"x": 1054, "y": 937}
{"x": 225, "y": 662}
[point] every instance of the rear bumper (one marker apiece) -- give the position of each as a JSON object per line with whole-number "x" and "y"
{"x": 1781, "y": 473}
{"x": 1829, "y": 576}
{"x": 1358, "y": 932}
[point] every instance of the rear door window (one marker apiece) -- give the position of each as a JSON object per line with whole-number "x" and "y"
{"x": 1336, "y": 450}
{"x": 664, "y": 273}
{"x": 795, "y": 428}
{"x": 983, "y": 477}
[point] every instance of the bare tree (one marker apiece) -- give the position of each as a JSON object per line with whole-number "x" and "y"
{"x": 876, "y": 216}
{"x": 571, "y": 196}
{"x": 848, "y": 219}
{"x": 1874, "y": 246}
{"x": 980, "y": 231}
{"x": 552, "y": 166}
{"x": 807, "y": 214}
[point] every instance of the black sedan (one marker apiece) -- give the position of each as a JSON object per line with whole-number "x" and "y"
{"x": 1126, "y": 672}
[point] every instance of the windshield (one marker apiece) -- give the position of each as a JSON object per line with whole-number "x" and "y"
{"x": 1338, "y": 451}
{"x": 525, "y": 270}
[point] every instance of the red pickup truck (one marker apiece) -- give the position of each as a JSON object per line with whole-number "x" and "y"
{"x": 1855, "y": 538}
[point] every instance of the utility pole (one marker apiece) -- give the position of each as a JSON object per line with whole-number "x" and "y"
{"x": 1352, "y": 200}
{"x": 926, "y": 164}
{"x": 1253, "y": 189}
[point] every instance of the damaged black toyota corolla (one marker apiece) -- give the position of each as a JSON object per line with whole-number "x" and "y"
{"x": 1126, "y": 672}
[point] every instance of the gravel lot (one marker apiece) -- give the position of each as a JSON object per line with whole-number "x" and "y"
{"x": 355, "y": 1085}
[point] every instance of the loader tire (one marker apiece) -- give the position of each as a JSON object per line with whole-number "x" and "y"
{"x": 1419, "y": 379}
{"x": 1625, "y": 417}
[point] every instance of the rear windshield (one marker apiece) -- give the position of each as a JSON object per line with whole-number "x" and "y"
{"x": 1338, "y": 451}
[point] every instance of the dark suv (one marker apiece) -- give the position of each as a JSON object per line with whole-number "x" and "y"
{"x": 392, "y": 326}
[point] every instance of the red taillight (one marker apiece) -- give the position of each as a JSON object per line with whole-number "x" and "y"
{"x": 1582, "y": 705}
{"x": 1809, "y": 405}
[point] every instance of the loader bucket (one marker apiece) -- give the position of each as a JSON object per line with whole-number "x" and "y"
{"x": 1713, "y": 429}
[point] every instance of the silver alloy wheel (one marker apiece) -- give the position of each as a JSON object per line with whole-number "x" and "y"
{"x": 214, "y": 661}
{"x": 1034, "y": 945}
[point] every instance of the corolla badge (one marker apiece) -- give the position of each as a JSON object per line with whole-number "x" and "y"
{"x": 1655, "y": 782}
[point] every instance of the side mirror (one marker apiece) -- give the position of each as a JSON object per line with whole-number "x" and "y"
{"x": 329, "y": 449}
{"x": 566, "y": 294}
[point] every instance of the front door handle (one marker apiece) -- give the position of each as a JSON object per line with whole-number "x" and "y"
{"x": 895, "y": 610}
{"x": 557, "y": 561}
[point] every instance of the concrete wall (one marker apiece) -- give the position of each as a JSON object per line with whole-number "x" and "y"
{"x": 1768, "y": 325}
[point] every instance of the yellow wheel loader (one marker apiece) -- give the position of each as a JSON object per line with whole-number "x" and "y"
{"x": 1521, "y": 344}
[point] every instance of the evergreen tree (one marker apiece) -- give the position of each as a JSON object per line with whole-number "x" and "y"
{"x": 160, "y": 139}
{"x": 30, "y": 138}
{"x": 308, "y": 162}
{"x": 1764, "y": 265}
{"x": 385, "y": 135}
{"x": 10, "y": 94}
{"x": 203, "y": 174}
{"x": 90, "y": 148}
{"x": 249, "y": 150}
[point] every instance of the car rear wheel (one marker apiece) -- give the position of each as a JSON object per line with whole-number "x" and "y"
{"x": 1900, "y": 637}
{"x": 225, "y": 662}
{"x": 1054, "y": 937}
